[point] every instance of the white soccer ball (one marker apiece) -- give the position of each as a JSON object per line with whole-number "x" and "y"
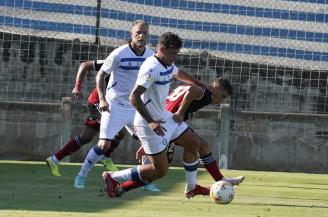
{"x": 222, "y": 192}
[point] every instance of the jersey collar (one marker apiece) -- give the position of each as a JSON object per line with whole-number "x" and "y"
{"x": 161, "y": 62}
{"x": 135, "y": 51}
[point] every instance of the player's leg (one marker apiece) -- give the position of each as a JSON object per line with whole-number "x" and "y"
{"x": 106, "y": 158}
{"x": 128, "y": 179}
{"x": 155, "y": 146}
{"x": 190, "y": 163}
{"x": 89, "y": 131}
{"x": 207, "y": 160}
{"x": 93, "y": 156}
{"x": 111, "y": 123}
{"x": 143, "y": 158}
{"x": 151, "y": 186}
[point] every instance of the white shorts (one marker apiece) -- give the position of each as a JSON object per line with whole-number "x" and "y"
{"x": 153, "y": 143}
{"x": 112, "y": 122}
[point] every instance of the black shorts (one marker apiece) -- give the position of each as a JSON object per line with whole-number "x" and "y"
{"x": 93, "y": 120}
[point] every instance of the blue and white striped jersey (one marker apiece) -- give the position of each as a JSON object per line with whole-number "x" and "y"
{"x": 157, "y": 78}
{"x": 123, "y": 65}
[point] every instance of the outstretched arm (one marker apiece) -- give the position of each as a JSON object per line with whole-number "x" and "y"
{"x": 188, "y": 78}
{"x": 81, "y": 73}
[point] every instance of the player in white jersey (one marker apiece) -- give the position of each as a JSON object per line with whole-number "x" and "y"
{"x": 155, "y": 126}
{"x": 117, "y": 111}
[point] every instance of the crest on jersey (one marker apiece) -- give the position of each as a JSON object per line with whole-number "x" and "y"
{"x": 164, "y": 142}
{"x": 108, "y": 62}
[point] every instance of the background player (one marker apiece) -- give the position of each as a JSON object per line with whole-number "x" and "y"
{"x": 123, "y": 65}
{"x": 91, "y": 124}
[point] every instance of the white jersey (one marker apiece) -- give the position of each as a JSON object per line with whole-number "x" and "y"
{"x": 123, "y": 65}
{"x": 156, "y": 78}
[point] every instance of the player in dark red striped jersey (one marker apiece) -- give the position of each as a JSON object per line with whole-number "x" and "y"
{"x": 91, "y": 124}
{"x": 186, "y": 99}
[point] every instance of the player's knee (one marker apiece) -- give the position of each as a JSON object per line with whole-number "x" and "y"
{"x": 84, "y": 138}
{"x": 194, "y": 146}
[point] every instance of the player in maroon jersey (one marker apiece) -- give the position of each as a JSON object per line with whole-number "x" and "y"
{"x": 185, "y": 100}
{"x": 91, "y": 124}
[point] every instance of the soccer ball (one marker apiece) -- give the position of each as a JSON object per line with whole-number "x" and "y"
{"x": 222, "y": 192}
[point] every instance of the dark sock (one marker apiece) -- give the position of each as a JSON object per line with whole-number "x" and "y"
{"x": 210, "y": 164}
{"x": 72, "y": 146}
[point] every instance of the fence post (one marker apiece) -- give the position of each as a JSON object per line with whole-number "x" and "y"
{"x": 97, "y": 37}
{"x": 66, "y": 129}
{"x": 224, "y": 136}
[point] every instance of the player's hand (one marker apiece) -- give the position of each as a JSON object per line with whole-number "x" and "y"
{"x": 76, "y": 92}
{"x": 177, "y": 117}
{"x": 77, "y": 89}
{"x": 157, "y": 127}
{"x": 103, "y": 105}
{"x": 140, "y": 153}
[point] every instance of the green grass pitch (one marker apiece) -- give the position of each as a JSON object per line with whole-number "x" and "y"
{"x": 27, "y": 189}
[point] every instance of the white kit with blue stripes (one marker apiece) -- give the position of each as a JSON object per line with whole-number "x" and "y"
{"x": 157, "y": 78}
{"x": 123, "y": 65}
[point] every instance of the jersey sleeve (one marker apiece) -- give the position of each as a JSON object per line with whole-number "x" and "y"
{"x": 97, "y": 64}
{"x": 111, "y": 63}
{"x": 175, "y": 69}
{"x": 146, "y": 76}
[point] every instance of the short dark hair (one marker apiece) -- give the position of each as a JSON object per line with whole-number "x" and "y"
{"x": 170, "y": 40}
{"x": 223, "y": 83}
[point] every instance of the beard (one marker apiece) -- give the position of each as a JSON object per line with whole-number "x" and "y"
{"x": 141, "y": 43}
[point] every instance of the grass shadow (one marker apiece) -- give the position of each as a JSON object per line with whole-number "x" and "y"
{"x": 29, "y": 186}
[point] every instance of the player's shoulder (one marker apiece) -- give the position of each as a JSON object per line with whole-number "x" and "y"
{"x": 121, "y": 49}
{"x": 150, "y": 62}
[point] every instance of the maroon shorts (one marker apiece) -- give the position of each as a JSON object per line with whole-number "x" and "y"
{"x": 93, "y": 120}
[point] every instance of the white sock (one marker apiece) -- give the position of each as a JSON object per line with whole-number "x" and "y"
{"x": 122, "y": 175}
{"x": 191, "y": 175}
{"x": 91, "y": 159}
{"x": 127, "y": 175}
{"x": 53, "y": 157}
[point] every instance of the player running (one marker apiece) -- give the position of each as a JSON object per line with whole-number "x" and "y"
{"x": 117, "y": 111}
{"x": 155, "y": 126}
{"x": 91, "y": 124}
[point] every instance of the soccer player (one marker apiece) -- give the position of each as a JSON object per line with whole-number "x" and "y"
{"x": 155, "y": 126}
{"x": 117, "y": 111}
{"x": 185, "y": 100}
{"x": 91, "y": 124}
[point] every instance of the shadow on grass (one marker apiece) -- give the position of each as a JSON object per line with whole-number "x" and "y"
{"x": 29, "y": 186}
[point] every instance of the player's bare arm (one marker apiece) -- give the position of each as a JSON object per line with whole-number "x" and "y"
{"x": 188, "y": 78}
{"x": 136, "y": 101}
{"x": 81, "y": 73}
{"x": 100, "y": 84}
{"x": 194, "y": 92}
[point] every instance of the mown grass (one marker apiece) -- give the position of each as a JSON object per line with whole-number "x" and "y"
{"x": 27, "y": 189}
